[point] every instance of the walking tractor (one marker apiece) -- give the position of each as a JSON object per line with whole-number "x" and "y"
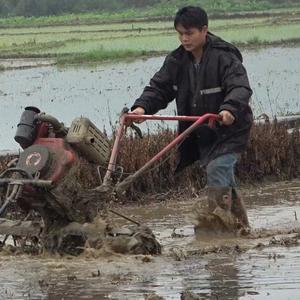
{"x": 53, "y": 190}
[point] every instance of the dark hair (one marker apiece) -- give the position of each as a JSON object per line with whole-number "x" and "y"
{"x": 191, "y": 16}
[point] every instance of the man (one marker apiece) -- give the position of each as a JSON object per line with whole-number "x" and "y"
{"x": 205, "y": 75}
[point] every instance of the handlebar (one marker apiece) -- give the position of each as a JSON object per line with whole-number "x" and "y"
{"x": 201, "y": 119}
{"x": 125, "y": 116}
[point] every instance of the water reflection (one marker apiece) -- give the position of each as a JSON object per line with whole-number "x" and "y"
{"x": 101, "y": 92}
{"x": 224, "y": 278}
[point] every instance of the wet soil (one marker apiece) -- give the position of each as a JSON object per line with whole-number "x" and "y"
{"x": 214, "y": 268}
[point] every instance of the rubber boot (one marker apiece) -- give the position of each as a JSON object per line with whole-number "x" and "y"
{"x": 217, "y": 217}
{"x": 220, "y": 203}
{"x": 238, "y": 209}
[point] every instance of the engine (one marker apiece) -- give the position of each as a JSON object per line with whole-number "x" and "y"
{"x": 48, "y": 195}
{"x": 57, "y": 170}
{"x": 50, "y": 149}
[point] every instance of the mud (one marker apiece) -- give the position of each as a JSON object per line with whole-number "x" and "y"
{"x": 265, "y": 263}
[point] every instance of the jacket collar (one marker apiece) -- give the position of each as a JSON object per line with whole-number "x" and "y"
{"x": 212, "y": 41}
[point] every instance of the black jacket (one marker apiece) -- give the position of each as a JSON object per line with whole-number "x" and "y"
{"x": 222, "y": 84}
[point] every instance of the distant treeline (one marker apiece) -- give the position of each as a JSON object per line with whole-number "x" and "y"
{"x": 57, "y": 7}
{"x": 28, "y": 8}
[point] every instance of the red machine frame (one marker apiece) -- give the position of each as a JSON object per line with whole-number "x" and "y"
{"x": 127, "y": 118}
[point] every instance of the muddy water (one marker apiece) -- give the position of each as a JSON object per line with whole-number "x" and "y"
{"x": 100, "y": 92}
{"x": 244, "y": 272}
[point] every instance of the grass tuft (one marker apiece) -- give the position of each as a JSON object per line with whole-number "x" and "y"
{"x": 99, "y": 56}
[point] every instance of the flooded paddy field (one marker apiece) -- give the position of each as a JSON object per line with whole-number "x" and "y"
{"x": 262, "y": 267}
{"x": 68, "y": 40}
{"x": 100, "y": 92}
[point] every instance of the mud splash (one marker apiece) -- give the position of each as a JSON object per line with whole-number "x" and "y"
{"x": 223, "y": 268}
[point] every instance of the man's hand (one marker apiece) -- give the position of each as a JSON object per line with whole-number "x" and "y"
{"x": 138, "y": 111}
{"x": 227, "y": 117}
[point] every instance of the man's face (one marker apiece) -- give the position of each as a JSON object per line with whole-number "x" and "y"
{"x": 192, "y": 39}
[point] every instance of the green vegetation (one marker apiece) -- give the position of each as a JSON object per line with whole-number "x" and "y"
{"x": 102, "y": 42}
{"x": 132, "y": 31}
{"x": 99, "y": 55}
{"x": 131, "y": 8}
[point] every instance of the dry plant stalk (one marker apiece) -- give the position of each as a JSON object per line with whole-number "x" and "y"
{"x": 272, "y": 153}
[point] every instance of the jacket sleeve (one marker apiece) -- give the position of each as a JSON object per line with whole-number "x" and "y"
{"x": 159, "y": 92}
{"x": 235, "y": 83}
